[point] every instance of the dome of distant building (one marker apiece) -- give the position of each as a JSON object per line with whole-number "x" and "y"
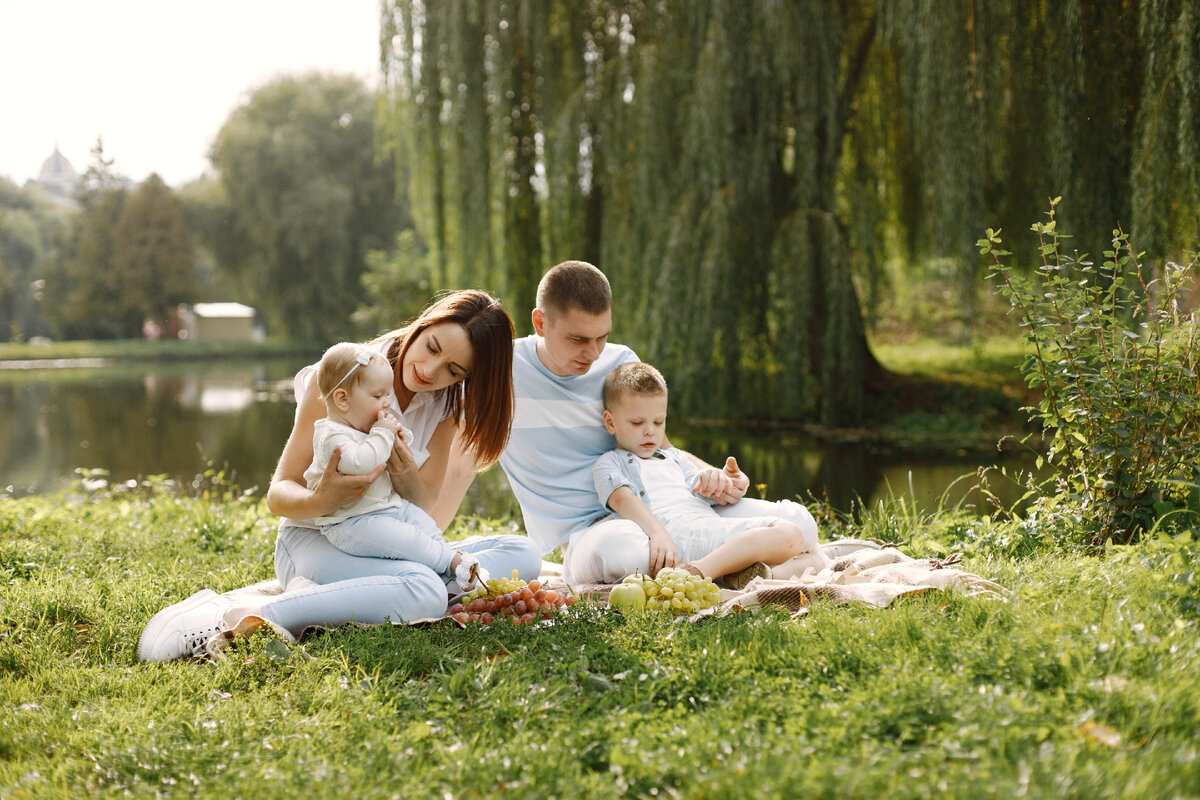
{"x": 58, "y": 176}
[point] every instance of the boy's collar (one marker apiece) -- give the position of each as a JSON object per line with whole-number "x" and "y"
{"x": 659, "y": 453}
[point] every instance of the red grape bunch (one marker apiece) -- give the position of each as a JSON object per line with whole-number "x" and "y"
{"x": 509, "y": 599}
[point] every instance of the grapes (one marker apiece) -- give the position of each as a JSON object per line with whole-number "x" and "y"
{"x": 676, "y": 591}
{"x": 509, "y": 599}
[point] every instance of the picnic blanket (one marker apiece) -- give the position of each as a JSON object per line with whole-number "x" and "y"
{"x": 863, "y": 572}
{"x": 865, "y": 577}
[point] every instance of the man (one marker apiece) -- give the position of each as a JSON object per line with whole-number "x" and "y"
{"x": 558, "y": 433}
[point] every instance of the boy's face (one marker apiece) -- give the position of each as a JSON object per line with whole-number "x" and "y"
{"x": 361, "y": 404}
{"x": 639, "y": 422}
{"x": 571, "y": 340}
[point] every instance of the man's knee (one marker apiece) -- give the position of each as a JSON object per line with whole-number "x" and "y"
{"x": 608, "y": 552}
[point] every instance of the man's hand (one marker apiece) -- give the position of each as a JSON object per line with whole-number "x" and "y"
{"x": 339, "y": 489}
{"x": 662, "y": 551}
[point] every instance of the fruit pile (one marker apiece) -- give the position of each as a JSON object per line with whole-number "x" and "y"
{"x": 509, "y": 598}
{"x": 672, "y": 591}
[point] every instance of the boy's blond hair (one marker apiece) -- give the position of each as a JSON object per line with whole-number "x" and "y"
{"x": 635, "y": 378}
{"x": 334, "y": 369}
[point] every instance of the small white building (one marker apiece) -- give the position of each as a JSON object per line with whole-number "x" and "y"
{"x": 222, "y": 322}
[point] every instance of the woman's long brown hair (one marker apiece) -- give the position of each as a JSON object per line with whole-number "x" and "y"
{"x": 482, "y": 403}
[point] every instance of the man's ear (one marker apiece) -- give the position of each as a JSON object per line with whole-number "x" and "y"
{"x": 539, "y": 322}
{"x": 609, "y": 425}
{"x": 341, "y": 399}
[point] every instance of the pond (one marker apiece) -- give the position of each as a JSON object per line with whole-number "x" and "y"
{"x": 182, "y": 419}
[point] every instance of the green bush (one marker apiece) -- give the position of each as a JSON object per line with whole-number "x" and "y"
{"x": 1116, "y": 360}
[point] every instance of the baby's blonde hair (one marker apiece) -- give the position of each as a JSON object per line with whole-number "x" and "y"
{"x": 635, "y": 378}
{"x": 336, "y": 363}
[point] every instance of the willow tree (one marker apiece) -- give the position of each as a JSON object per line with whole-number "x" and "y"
{"x": 738, "y": 168}
{"x": 689, "y": 149}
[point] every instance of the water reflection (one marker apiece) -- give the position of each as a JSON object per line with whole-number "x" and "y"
{"x": 143, "y": 420}
{"x": 180, "y": 419}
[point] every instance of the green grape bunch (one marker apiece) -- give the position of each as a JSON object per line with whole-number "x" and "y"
{"x": 672, "y": 591}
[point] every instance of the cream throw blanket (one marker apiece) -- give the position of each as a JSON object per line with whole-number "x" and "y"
{"x": 863, "y": 572}
{"x": 867, "y": 576}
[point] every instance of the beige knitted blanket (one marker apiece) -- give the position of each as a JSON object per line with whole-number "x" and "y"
{"x": 862, "y": 573}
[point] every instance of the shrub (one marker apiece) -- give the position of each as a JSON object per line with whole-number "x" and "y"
{"x": 1115, "y": 359}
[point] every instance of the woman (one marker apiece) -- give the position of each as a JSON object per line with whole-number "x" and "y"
{"x": 452, "y": 367}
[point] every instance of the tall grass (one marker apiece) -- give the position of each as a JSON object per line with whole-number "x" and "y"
{"x": 1086, "y": 683}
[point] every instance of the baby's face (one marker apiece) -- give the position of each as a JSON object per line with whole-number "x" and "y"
{"x": 639, "y": 422}
{"x": 370, "y": 395}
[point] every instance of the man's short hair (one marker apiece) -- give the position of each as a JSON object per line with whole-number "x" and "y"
{"x": 574, "y": 285}
{"x": 633, "y": 378}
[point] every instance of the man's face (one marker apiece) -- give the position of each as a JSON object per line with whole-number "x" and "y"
{"x": 570, "y": 341}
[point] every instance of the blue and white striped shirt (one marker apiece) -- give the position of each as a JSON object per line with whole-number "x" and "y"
{"x": 557, "y": 435}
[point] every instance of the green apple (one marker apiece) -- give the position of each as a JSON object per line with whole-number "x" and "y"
{"x": 627, "y": 597}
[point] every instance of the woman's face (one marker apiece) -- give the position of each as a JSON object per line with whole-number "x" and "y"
{"x": 440, "y": 356}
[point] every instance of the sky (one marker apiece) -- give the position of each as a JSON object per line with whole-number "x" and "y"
{"x": 157, "y": 78}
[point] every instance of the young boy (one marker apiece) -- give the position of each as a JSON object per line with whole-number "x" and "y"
{"x": 655, "y": 488}
{"x": 356, "y": 384}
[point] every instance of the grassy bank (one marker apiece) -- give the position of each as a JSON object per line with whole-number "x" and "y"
{"x": 1086, "y": 683}
{"x": 139, "y": 350}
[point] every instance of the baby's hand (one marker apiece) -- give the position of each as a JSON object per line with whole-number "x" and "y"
{"x": 467, "y": 572}
{"x": 388, "y": 421}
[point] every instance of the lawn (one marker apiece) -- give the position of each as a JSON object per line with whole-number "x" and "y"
{"x": 1086, "y": 683}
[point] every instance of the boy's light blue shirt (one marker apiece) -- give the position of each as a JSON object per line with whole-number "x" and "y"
{"x": 557, "y": 435}
{"x": 619, "y": 467}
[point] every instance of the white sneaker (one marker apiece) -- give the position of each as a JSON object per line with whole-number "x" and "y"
{"x": 184, "y": 629}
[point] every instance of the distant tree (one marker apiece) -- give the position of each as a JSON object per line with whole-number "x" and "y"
{"x": 308, "y": 199}
{"x": 218, "y": 240}
{"x": 82, "y": 292}
{"x": 125, "y": 258}
{"x": 28, "y": 224}
{"x": 153, "y": 256}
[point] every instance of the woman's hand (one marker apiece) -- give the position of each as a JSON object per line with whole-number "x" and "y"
{"x": 406, "y": 476}
{"x": 336, "y": 489}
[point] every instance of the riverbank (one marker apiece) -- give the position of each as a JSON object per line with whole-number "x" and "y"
{"x": 95, "y": 353}
{"x": 945, "y": 397}
{"x": 1084, "y": 683}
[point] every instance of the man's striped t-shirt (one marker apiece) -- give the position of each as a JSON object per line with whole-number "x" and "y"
{"x": 557, "y": 435}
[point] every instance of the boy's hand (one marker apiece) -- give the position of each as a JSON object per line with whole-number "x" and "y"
{"x": 662, "y": 550}
{"x": 739, "y": 482}
{"x": 713, "y": 484}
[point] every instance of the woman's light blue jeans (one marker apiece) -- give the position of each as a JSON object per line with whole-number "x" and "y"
{"x": 375, "y": 590}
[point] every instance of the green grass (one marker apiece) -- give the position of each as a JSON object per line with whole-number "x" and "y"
{"x": 1085, "y": 684}
{"x": 944, "y": 394}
